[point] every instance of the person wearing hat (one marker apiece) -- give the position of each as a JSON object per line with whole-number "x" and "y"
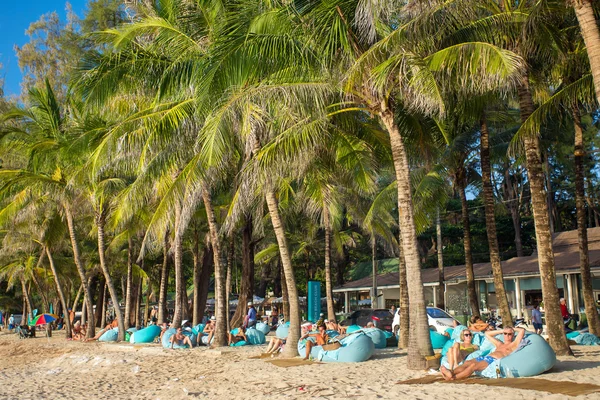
{"x": 250, "y": 319}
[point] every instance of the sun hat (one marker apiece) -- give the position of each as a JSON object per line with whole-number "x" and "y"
{"x": 213, "y": 318}
{"x": 249, "y": 303}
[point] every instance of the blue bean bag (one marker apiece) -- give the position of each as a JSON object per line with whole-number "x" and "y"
{"x": 110, "y": 335}
{"x": 377, "y": 336}
{"x": 282, "y": 331}
{"x": 587, "y": 339}
{"x": 255, "y": 336}
{"x": 146, "y": 335}
{"x": 166, "y": 340}
{"x": 238, "y": 344}
{"x": 132, "y": 330}
{"x": 532, "y": 359}
{"x": 331, "y": 333}
{"x": 314, "y": 351}
{"x": 264, "y": 328}
{"x": 357, "y": 347}
{"x": 438, "y": 340}
{"x": 198, "y": 328}
{"x": 353, "y": 328}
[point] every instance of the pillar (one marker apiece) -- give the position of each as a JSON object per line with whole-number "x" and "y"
{"x": 445, "y": 296}
{"x": 346, "y": 302}
{"x": 570, "y": 293}
{"x": 435, "y": 294}
{"x": 518, "y": 297}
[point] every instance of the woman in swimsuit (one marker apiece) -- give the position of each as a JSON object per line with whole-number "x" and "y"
{"x": 459, "y": 351}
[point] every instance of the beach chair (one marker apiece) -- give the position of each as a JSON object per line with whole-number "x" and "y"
{"x": 24, "y": 332}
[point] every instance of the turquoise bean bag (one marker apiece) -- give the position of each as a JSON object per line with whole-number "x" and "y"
{"x": 314, "y": 351}
{"x": 533, "y": 359}
{"x": 353, "y": 328}
{"x": 199, "y": 328}
{"x": 166, "y": 340}
{"x": 255, "y": 336}
{"x": 238, "y": 344}
{"x": 282, "y": 331}
{"x": 572, "y": 335}
{"x": 331, "y": 333}
{"x": 146, "y": 335}
{"x": 377, "y": 336}
{"x": 132, "y": 330}
{"x": 357, "y": 347}
{"x": 110, "y": 335}
{"x": 264, "y": 328}
{"x": 438, "y": 340}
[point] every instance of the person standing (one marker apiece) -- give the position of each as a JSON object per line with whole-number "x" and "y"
{"x": 11, "y": 322}
{"x": 536, "y": 319}
{"x": 251, "y": 317}
{"x": 563, "y": 309}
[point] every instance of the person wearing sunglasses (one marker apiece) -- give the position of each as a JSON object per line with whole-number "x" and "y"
{"x": 504, "y": 347}
{"x": 460, "y": 350}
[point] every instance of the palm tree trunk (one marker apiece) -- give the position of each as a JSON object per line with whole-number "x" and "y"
{"x": 584, "y": 261}
{"x": 291, "y": 347}
{"x": 285, "y": 298}
{"x": 29, "y": 314}
{"x": 419, "y": 340}
{"x": 440, "y": 259}
{"x": 554, "y": 321}
{"x": 374, "y": 299}
{"x": 178, "y": 262}
{"x": 77, "y": 296}
{"x": 196, "y": 312}
{"x": 220, "y": 296}
{"x": 404, "y": 308}
{"x": 328, "y": 283}
{"x": 513, "y": 206}
{"x": 164, "y": 282}
{"x": 84, "y": 281}
{"x": 247, "y": 285}
{"x": 103, "y": 303}
{"x": 490, "y": 224}
{"x": 100, "y": 219}
{"x": 230, "y": 255}
{"x": 128, "y": 299}
{"x": 591, "y": 37}
{"x": 38, "y": 285}
{"x": 471, "y": 291}
{"x": 61, "y": 294}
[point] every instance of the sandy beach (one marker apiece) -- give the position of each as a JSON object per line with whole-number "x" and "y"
{"x": 59, "y": 369}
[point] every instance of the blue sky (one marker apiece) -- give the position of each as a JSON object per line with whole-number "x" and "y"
{"x": 14, "y": 20}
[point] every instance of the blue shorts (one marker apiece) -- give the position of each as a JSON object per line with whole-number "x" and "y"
{"x": 538, "y": 326}
{"x": 487, "y": 359}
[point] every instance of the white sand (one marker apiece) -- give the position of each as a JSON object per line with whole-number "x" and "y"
{"x": 60, "y": 369}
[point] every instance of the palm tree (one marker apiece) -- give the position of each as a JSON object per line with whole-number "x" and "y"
{"x": 584, "y": 10}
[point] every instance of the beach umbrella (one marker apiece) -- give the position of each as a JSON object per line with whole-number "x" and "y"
{"x": 43, "y": 319}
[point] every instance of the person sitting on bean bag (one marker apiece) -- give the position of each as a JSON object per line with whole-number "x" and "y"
{"x": 459, "y": 351}
{"x": 180, "y": 339}
{"x": 321, "y": 339}
{"x": 275, "y": 344}
{"x": 237, "y": 336}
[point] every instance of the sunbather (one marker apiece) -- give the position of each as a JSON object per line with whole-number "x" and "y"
{"x": 503, "y": 349}
{"x": 460, "y": 350}
{"x": 78, "y": 331}
{"x": 112, "y": 325}
{"x": 237, "y": 335}
{"x": 206, "y": 335}
{"x": 274, "y": 345}
{"x": 180, "y": 339}
{"x": 321, "y": 339}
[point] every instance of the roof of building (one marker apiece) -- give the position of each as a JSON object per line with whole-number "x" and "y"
{"x": 566, "y": 260}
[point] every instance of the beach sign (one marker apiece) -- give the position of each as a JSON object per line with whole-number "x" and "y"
{"x": 314, "y": 300}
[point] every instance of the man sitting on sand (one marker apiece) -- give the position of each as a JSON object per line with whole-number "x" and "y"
{"x": 237, "y": 335}
{"x": 78, "y": 331}
{"x": 503, "y": 349}
{"x": 180, "y": 339}
{"x": 321, "y": 339}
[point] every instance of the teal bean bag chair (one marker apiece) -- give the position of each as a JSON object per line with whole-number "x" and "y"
{"x": 132, "y": 330}
{"x": 314, "y": 351}
{"x": 264, "y": 328}
{"x": 255, "y": 336}
{"x": 438, "y": 340}
{"x": 572, "y": 335}
{"x": 377, "y": 336}
{"x": 357, "y": 347}
{"x": 532, "y": 359}
{"x": 447, "y": 347}
{"x": 166, "y": 340}
{"x": 238, "y": 344}
{"x": 110, "y": 335}
{"x": 146, "y": 335}
{"x": 282, "y": 331}
{"x": 198, "y": 328}
{"x": 353, "y": 328}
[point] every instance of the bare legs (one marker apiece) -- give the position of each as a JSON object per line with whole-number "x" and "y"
{"x": 463, "y": 371}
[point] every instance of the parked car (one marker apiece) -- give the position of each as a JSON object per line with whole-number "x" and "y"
{"x": 436, "y": 318}
{"x": 381, "y": 318}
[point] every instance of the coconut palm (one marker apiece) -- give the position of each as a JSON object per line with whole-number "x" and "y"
{"x": 584, "y": 9}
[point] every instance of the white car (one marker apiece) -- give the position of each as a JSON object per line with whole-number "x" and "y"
{"x": 437, "y": 318}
